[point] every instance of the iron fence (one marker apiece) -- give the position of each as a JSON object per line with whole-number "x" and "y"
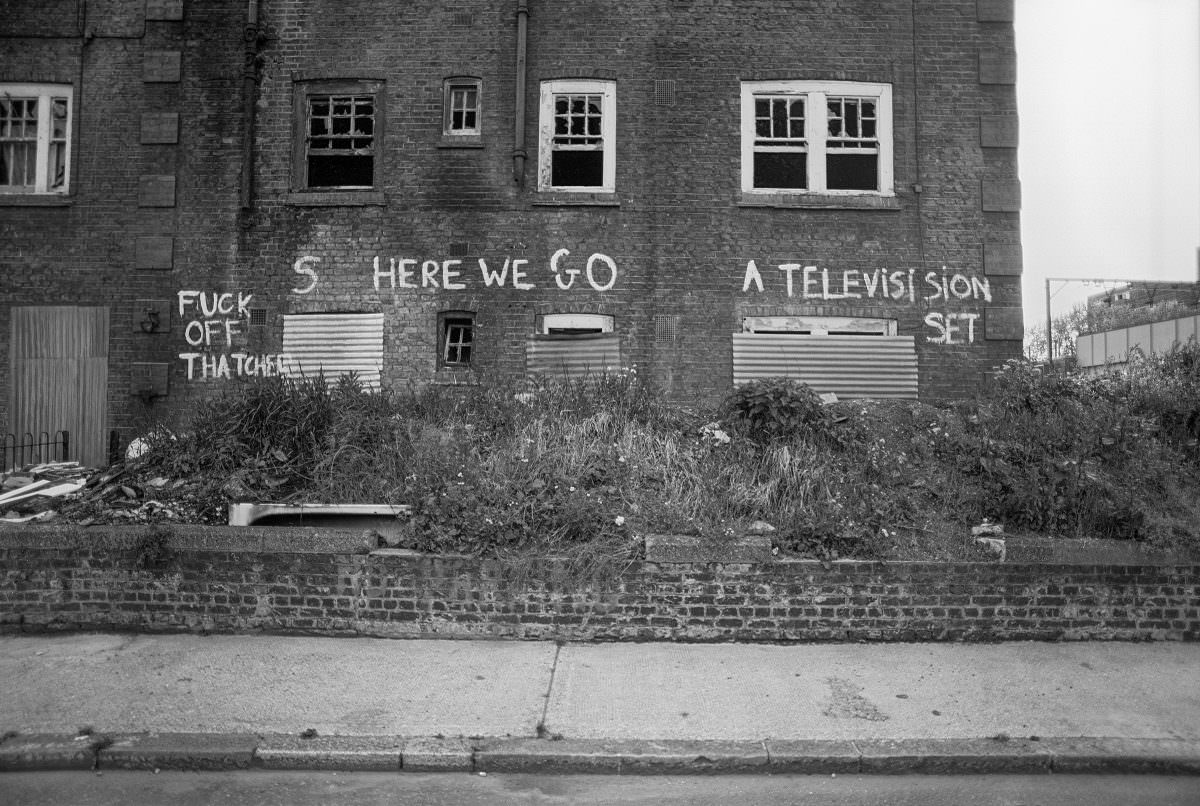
{"x": 34, "y": 449}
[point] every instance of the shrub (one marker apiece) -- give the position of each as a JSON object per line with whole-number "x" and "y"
{"x": 777, "y": 408}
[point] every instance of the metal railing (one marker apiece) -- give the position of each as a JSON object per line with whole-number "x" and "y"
{"x": 34, "y": 449}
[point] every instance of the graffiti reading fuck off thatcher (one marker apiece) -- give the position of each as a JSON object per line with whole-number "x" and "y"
{"x": 816, "y": 283}
{"x": 214, "y": 320}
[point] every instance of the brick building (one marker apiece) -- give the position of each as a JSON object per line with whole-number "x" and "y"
{"x": 194, "y": 191}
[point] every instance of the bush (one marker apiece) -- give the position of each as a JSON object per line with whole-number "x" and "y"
{"x": 777, "y": 409}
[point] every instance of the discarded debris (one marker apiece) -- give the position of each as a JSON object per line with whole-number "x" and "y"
{"x": 28, "y": 489}
{"x": 985, "y": 535}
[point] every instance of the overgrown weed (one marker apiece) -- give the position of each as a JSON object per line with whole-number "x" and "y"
{"x": 583, "y": 468}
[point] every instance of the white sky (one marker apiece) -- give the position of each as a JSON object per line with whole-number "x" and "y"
{"x": 1109, "y": 97}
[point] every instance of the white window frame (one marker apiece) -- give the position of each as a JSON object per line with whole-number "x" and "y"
{"x": 45, "y": 95}
{"x": 816, "y": 137}
{"x": 602, "y": 323}
{"x": 819, "y": 325}
{"x": 452, "y": 87}
{"x": 607, "y": 90}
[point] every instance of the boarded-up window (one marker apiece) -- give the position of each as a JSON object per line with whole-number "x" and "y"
{"x": 334, "y": 344}
{"x": 573, "y": 356}
{"x": 850, "y": 366}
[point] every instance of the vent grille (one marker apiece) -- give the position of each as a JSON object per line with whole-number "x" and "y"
{"x": 258, "y": 317}
{"x": 664, "y": 92}
{"x": 463, "y": 249}
{"x": 461, "y": 18}
{"x": 666, "y": 328}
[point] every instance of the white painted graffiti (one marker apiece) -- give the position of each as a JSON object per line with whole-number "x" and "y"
{"x": 813, "y": 282}
{"x": 949, "y": 327}
{"x": 229, "y": 365}
{"x": 817, "y": 283}
{"x": 214, "y": 315}
{"x": 305, "y": 266}
{"x": 599, "y": 272}
{"x": 214, "y": 319}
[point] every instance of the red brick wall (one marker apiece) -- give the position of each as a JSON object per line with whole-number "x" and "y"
{"x": 241, "y": 580}
{"x": 680, "y": 235}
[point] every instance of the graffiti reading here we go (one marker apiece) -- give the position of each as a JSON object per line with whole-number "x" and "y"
{"x": 813, "y": 282}
{"x": 214, "y": 319}
{"x": 599, "y": 272}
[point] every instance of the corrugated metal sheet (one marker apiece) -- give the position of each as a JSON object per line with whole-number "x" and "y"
{"x": 1114, "y": 346}
{"x": 573, "y": 356}
{"x": 336, "y": 344}
{"x": 848, "y": 366}
{"x": 59, "y": 360}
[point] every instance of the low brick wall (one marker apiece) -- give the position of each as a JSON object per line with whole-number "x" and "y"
{"x": 298, "y": 580}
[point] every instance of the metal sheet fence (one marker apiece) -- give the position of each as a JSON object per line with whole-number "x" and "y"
{"x": 1114, "y": 346}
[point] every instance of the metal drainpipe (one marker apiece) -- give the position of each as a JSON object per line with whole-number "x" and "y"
{"x": 249, "y": 79}
{"x": 519, "y": 118}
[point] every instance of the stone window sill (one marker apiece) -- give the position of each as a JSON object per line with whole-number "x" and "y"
{"x": 455, "y": 377}
{"x": 350, "y": 198}
{"x": 35, "y": 200}
{"x": 818, "y": 201}
{"x": 461, "y": 141}
{"x": 558, "y": 198}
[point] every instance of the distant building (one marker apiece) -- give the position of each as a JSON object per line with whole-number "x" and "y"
{"x": 449, "y": 193}
{"x": 1144, "y": 294}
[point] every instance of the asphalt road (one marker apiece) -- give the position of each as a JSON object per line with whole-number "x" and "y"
{"x": 263, "y": 788}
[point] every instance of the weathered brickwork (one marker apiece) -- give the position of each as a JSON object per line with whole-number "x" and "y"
{"x": 97, "y": 245}
{"x": 224, "y": 583}
{"x": 677, "y": 226}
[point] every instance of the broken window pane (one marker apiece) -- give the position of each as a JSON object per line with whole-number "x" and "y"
{"x": 457, "y": 340}
{"x": 852, "y": 171}
{"x": 577, "y": 168}
{"x": 340, "y": 171}
{"x": 341, "y": 141}
{"x": 781, "y": 169}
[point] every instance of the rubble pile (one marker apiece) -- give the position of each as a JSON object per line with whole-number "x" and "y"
{"x": 67, "y": 491}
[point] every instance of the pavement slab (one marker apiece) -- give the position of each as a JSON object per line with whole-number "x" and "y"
{"x": 272, "y": 684}
{"x": 289, "y": 702}
{"x": 875, "y": 691}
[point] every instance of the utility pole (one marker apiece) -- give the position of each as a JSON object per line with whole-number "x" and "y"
{"x": 1049, "y": 318}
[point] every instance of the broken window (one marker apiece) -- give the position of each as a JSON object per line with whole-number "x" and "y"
{"x": 35, "y": 126}
{"x": 816, "y": 137}
{"x": 852, "y": 148}
{"x": 456, "y": 336}
{"x": 341, "y": 128}
{"x": 461, "y": 104}
{"x": 578, "y": 127}
{"x": 780, "y": 150}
